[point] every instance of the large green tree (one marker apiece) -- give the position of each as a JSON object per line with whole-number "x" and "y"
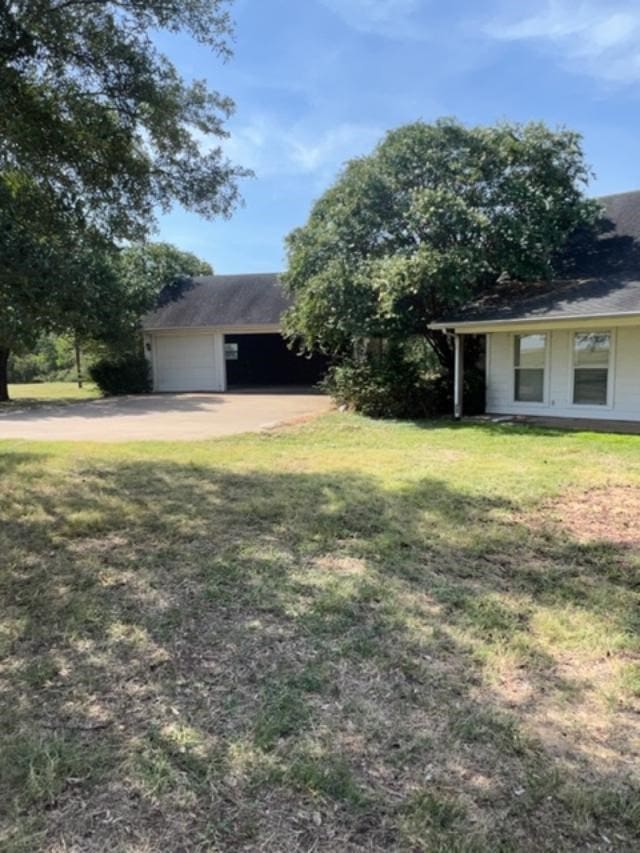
{"x": 98, "y": 132}
{"x": 54, "y": 268}
{"x": 433, "y": 217}
{"x": 90, "y": 107}
{"x": 106, "y": 293}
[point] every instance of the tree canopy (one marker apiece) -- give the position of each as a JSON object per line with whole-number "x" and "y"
{"x": 98, "y": 132}
{"x": 141, "y": 271}
{"x": 91, "y": 109}
{"x": 122, "y": 285}
{"x": 434, "y": 216}
{"x": 51, "y": 266}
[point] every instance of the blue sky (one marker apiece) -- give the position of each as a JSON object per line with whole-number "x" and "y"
{"x": 317, "y": 82}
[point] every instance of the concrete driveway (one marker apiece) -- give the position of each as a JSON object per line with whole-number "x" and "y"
{"x": 161, "y": 417}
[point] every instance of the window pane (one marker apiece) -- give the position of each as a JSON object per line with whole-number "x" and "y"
{"x": 231, "y": 352}
{"x": 590, "y": 386}
{"x": 530, "y": 350}
{"x": 529, "y": 385}
{"x": 592, "y": 349}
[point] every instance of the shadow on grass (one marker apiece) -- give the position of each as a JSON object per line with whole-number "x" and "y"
{"x": 564, "y": 428}
{"x": 23, "y": 463}
{"x": 199, "y": 659}
{"x": 506, "y": 428}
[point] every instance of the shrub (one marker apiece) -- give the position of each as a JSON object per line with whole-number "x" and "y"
{"x": 387, "y": 386}
{"x": 127, "y": 374}
{"x": 394, "y": 385}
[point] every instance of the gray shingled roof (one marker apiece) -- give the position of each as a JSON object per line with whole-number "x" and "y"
{"x": 604, "y": 280}
{"x": 220, "y": 300}
{"x": 623, "y": 212}
{"x": 578, "y": 298}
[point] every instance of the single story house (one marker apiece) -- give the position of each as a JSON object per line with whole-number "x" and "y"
{"x": 566, "y": 348}
{"x": 211, "y": 333}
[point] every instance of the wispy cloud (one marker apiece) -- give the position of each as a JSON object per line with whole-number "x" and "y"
{"x": 595, "y": 37}
{"x": 391, "y": 18}
{"x": 272, "y": 149}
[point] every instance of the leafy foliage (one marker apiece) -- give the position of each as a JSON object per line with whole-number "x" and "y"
{"x": 97, "y": 132}
{"x": 91, "y": 108}
{"x": 433, "y": 217}
{"x": 141, "y": 271}
{"x": 389, "y": 385}
{"x": 57, "y": 275}
{"x": 396, "y": 385}
{"x": 127, "y": 374}
{"x": 132, "y": 279}
{"x": 52, "y": 358}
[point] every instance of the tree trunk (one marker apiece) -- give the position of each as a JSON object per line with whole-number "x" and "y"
{"x": 4, "y": 375}
{"x": 443, "y": 347}
{"x": 78, "y": 363}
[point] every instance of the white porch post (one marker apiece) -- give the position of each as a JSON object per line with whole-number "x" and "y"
{"x": 458, "y": 376}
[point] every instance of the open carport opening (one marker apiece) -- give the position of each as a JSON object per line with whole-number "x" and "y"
{"x": 263, "y": 360}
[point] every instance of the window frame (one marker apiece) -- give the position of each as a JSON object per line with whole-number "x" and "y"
{"x": 545, "y": 369}
{"x": 599, "y": 407}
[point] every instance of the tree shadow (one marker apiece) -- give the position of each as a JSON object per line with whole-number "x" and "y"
{"x": 107, "y": 407}
{"x": 498, "y": 428}
{"x": 199, "y": 659}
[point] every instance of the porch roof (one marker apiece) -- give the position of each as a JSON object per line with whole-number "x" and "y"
{"x": 569, "y": 303}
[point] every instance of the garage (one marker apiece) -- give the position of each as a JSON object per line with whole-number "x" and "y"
{"x": 211, "y": 333}
{"x": 265, "y": 360}
{"x": 188, "y": 362}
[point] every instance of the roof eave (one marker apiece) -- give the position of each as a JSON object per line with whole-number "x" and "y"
{"x": 558, "y": 320}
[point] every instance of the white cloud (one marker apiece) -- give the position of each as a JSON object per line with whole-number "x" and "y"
{"x": 272, "y": 149}
{"x": 599, "y": 38}
{"x": 392, "y": 18}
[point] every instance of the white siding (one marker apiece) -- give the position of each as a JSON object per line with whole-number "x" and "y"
{"x": 624, "y": 376}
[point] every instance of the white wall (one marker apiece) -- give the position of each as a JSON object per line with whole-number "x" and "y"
{"x": 624, "y": 376}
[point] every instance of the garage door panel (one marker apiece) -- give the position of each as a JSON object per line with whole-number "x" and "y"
{"x": 188, "y": 363}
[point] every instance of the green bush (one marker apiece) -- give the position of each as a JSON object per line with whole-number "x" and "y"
{"x": 387, "y": 386}
{"x": 127, "y": 374}
{"x": 394, "y": 385}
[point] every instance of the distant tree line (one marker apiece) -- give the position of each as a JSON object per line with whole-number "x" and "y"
{"x": 142, "y": 272}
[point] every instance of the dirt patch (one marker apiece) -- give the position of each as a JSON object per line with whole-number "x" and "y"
{"x": 609, "y": 514}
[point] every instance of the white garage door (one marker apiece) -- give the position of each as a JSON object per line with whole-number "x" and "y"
{"x": 189, "y": 363}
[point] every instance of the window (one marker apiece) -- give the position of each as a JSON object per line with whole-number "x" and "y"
{"x": 529, "y": 360}
{"x": 231, "y": 352}
{"x": 591, "y": 352}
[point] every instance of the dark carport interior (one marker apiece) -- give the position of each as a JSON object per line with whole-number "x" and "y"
{"x": 265, "y": 360}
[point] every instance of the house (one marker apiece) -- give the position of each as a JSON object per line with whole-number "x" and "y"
{"x": 570, "y": 347}
{"x": 211, "y": 333}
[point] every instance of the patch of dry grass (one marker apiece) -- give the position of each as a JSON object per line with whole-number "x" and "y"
{"x": 341, "y": 636}
{"x": 606, "y": 514}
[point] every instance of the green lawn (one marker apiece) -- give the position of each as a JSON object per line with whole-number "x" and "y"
{"x": 342, "y": 636}
{"x": 50, "y": 392}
